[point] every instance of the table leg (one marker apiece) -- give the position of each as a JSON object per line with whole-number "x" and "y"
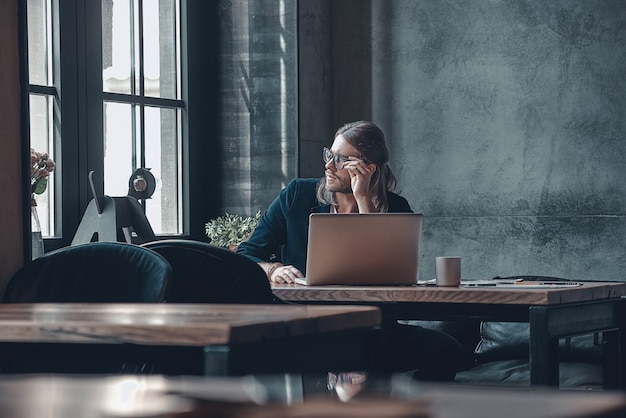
{"x": 621, "y": 351}
{"x": 544, "y": 350}
{"x": 611, "y": 359}
{"x": 614, "y": 350}
{"x": 285, "y": 388}
{"x": 216, "y": 360}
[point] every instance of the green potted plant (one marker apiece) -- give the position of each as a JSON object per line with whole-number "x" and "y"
{"x": 231, "y": 230}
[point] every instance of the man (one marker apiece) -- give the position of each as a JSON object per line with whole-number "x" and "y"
{"x": 358, "y": 179}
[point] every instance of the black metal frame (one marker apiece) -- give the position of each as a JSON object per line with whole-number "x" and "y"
{"x": 358, "y": 349}
{"x": 548, "y": 323}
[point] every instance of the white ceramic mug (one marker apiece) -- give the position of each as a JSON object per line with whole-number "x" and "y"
{"x": 448, "y": 271}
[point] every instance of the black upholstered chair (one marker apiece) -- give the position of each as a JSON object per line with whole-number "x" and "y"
{"x": 98, "y": 272}
{"x": 107, "y": 272}
{"x": 204, "y": 273}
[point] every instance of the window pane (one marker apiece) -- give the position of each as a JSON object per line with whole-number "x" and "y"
{"x": 116, "y": 46}
{"x": 118, "y": 148}
{"x": 38, "y": 42}
{"x": 41, "y": 139}
{"x": 160, "y": 48}
{"x": 162, "y": 156}
{"x": 137, "y": 135}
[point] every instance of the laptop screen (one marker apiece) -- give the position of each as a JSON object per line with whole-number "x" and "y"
{"x": 363, "y": 249}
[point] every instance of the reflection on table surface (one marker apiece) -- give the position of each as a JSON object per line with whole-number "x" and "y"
{"x": 83, "y": 396}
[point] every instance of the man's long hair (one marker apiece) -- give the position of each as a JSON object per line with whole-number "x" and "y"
{"x": 369, "y": 140}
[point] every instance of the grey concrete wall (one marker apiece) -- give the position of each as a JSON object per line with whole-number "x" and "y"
{"x": 506, "y": 121}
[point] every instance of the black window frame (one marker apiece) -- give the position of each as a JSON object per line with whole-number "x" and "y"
{"x": 78, "y": 91}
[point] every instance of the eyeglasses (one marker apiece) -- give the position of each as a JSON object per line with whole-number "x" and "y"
{"x": 337, "y": 159}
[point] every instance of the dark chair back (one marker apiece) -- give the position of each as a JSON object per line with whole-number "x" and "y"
{"x": 204, "y": 273}
{"x": 106, "y": 272}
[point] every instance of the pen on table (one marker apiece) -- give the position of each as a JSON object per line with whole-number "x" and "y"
{"x": 479, "y": 284}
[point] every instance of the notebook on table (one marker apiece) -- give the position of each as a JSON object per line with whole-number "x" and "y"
{"x": 363, "y": 249}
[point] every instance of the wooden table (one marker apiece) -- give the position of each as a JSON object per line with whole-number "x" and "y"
{"x": 186, "y": 338}
{"x": 33, "y": 396}
{"x": 551, "y": 313}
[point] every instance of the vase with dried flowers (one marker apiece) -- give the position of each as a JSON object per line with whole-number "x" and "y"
{"x": 41, "y": 165}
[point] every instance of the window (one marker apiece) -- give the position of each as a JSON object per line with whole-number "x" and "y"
{"x": 142, "y": 106}
{"x": 42, "y": 98}
{"x": 138, "y": 107}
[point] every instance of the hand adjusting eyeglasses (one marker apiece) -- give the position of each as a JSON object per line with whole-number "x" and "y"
{"x": 338, "y": 160}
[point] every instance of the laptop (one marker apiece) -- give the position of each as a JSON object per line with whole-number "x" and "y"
{"x": 363, "y": 249}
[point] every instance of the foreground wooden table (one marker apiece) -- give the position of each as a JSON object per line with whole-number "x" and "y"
{"x": 214, "y": 339}
{"x": 552, "y": 314}
{"x": 35, "y": 396}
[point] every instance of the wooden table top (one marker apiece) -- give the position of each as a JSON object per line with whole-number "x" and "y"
{"x": 486, "y": 295}
{"x": 186, "y": 396}
{"x": 175, "y": 324}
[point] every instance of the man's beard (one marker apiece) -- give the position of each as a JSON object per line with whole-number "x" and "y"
{"x": 339, "y": 185}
